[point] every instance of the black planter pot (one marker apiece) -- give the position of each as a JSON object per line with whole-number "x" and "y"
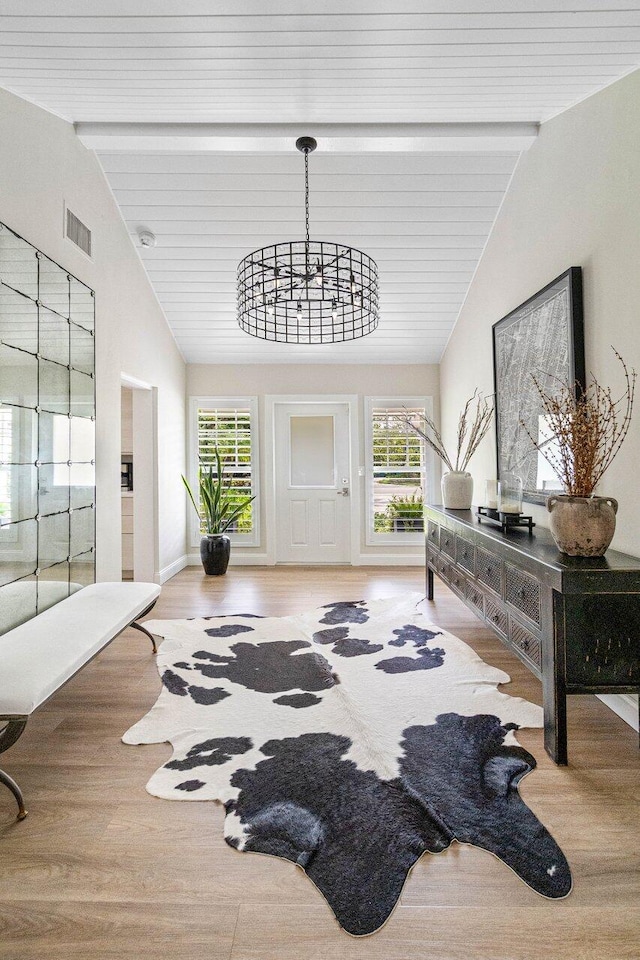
{"x": 214, "y": 552}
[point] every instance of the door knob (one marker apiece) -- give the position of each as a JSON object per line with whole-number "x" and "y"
{"x": 344, "y": 492}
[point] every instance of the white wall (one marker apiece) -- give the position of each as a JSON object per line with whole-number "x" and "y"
{"x": 126, "y": 421}
{"x": 42, "y": 165}
{"x": 574, "y": 201}
{"x": 266, "y": 379}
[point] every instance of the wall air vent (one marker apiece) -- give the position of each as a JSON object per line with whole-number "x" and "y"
{"x": 76, "y": 231}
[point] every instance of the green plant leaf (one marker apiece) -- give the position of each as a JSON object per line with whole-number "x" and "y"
{"x": 237, "y": 511}
{"x": 193, "y": 499}
{"x": 219, "y": 504}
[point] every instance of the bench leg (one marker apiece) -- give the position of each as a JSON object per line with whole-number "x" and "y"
{"x": 8, "y": 736}
{"x": 10, "y": 783}
{"x": 138, "y": 626}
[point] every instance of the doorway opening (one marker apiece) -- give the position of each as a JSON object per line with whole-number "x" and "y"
{"x": 126, "y": 480}
{"x": 139, "y": 480}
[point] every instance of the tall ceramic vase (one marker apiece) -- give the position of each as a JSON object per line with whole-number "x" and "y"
{"x": 582, "y": 526}
{"x": 457, "y": 490}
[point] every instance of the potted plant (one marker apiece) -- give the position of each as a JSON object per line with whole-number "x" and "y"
{"x": 587, "y": 428}
{"x": 219, "y": 509}
{"x": 457, "y": 482}
{"x": 406, "y": 513}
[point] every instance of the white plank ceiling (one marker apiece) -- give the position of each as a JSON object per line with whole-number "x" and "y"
{"x": 424, "y": 219}
{"x": 423, "y": 216}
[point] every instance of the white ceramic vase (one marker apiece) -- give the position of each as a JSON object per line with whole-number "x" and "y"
{"x": 457, "y": 490}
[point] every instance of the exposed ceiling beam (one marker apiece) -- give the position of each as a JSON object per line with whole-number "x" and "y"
{"x": 333, "y": 137}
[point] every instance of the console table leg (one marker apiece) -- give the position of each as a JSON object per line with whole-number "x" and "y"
{"x": 429, "y": 583}
{"x": 555, "y": 717}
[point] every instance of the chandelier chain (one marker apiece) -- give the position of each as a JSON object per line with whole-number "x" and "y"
{"x": 306, "y": 193}
{"x": 306, "y": 291}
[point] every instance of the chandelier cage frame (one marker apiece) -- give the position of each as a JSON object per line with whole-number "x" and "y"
{"x": 308, "y": 291}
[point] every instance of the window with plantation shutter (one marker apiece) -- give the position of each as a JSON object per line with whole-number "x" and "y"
{"x": 230, "y": 426}
{"x": 397, "y": 471}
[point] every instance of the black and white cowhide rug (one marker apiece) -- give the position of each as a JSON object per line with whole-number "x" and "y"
{"x": 350, "y": 740}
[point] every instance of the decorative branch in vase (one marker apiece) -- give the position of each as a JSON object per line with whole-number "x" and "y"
{"x": 587, "y": 427}
{"x": 473, "y": 424}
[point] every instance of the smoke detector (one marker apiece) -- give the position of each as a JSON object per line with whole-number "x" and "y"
{"x": 146, "y": 238}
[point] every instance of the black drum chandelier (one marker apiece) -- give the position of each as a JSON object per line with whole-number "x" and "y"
{"x": 308, "y": 291}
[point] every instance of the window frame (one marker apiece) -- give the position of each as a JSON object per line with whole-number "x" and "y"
{"x": 225, "y": 403}
{"x": 373, "y": 538}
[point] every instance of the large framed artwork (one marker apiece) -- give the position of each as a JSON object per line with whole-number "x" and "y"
{"x": 544, "y": 336}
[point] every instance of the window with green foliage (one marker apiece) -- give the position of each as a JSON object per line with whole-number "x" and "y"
{"x": 230, "y": 426}
{"x": 396, "y": 473}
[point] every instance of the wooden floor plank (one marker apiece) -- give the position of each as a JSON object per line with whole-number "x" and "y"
{"x": 100, "y": 870}
{"x": 488, "y": 932}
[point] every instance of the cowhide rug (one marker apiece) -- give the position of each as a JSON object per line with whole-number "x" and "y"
{"x": 350, "y": 740}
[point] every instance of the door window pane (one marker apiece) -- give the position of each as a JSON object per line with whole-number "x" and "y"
{"x": 312, "y": 451}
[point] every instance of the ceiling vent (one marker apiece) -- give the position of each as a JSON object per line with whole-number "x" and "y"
{"x": 78, "y": 233}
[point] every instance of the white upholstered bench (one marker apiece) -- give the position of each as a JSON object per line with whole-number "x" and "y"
{"x": 41, "y": 655}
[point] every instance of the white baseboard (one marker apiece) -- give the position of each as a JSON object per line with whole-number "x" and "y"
{"x": 244, "y": 560}
{"x": 624, "y": 704}
{"x": 390, "y": 560}
{"x": 363, "y": 560}
{"x": 170, "y": 571}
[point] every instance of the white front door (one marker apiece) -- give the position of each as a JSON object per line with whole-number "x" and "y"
{"x": 312, "y": 474}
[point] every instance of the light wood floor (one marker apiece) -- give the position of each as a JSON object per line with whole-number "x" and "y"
{"x": 100, "y": 869}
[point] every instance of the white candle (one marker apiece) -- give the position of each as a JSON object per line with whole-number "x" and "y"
{"x": 491, "y": 494}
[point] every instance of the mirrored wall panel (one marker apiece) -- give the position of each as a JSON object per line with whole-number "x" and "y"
{"x": 47, "y": 432}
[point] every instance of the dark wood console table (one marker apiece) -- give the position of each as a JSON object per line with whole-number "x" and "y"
{"x": 574, "y": 622}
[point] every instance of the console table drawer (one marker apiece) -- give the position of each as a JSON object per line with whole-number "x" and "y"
{"x": 465, "y": 554}
{"x": 522, "y": 592}
{"x": 475, "y": 596}
{"x": 433, "y": 534}
{"x": 496, "y": 616}
{"x": 525, "y": 642}
{"x": 457, "y": 580}
{"x": 448, "y": 542}
{"x": 489, "y": 570}
{"x": 442, "y": 567}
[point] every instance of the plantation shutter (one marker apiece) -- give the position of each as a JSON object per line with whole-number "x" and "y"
{"x": 229, "y": 429}
{"x": 397, "y": 475}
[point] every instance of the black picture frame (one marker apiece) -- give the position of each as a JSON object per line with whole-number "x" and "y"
{"x": 544, "y": 335}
